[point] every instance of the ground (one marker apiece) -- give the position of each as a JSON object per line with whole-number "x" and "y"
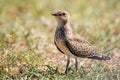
{"x": 27, "y": 39}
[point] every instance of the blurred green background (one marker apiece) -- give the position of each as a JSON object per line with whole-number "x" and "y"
{"x": 27, "y": 49}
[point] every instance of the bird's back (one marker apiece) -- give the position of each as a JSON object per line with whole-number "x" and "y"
{"x": 80, "y": 47}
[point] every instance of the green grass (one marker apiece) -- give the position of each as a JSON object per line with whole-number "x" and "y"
{"x": 27, "y": 50}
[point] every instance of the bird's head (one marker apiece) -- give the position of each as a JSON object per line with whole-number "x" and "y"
{"x": 62, "y": 17}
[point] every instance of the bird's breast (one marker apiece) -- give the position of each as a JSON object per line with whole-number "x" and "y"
{"x": 60, "y": 43}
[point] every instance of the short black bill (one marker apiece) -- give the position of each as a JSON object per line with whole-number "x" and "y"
{"x": 54, "y": 14}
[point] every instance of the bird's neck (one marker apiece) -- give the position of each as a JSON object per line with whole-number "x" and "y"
{"x": 65, "y": 25}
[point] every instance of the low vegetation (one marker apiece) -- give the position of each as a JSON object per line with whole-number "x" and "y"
{"x": 27, "y": 50}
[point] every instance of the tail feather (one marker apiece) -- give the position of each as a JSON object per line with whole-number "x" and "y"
{"x": 100, "y": 58}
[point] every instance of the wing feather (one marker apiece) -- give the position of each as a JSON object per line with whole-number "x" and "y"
{"x": 80, "y": 47}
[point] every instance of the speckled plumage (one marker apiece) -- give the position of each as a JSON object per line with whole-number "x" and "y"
{"x": 72, "y": 44}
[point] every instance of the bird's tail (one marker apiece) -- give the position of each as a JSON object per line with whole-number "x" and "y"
{"x": 100, "y": 58}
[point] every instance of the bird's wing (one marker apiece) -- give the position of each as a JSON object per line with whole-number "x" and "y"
{"x": 80, "y": 47}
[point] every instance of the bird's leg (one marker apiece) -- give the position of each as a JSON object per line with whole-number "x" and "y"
{"x": 68, "y": 61}
{"x": 76, "y": 64}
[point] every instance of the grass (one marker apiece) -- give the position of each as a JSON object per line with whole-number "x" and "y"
{"x": 27, "y": 51}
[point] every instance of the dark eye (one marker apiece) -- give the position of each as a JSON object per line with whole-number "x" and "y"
{"x": 63, "y": 14}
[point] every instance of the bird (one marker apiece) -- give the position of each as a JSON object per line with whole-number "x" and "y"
{"x": 72, "y": 44}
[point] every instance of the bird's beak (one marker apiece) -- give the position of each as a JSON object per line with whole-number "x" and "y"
{"x": 54, "y": 14}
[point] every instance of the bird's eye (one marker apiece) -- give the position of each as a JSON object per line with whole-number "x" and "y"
{"x": 63, "y": 14}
